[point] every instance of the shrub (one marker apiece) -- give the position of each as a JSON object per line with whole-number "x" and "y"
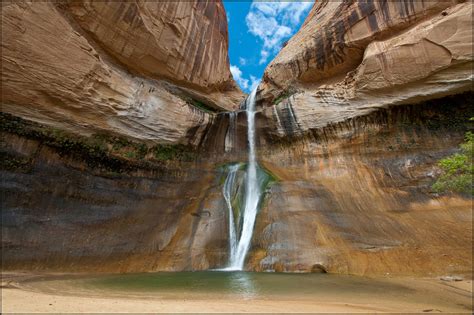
{"x": 457, "y": 170}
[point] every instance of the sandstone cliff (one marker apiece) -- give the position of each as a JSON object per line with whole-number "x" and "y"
{"x": 355, "y": 197}
{"x": 357, "y": 200}
{"x": 184, "y": 42}
{"x": 350, "y": 58}
{"x": 352, "y": 171}
{"x": 131, "y": 68}
{"x": 353, "y": 120}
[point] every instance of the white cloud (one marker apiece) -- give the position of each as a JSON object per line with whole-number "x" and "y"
{"x": 254, "y": 82}
{"x": 245, "y": 84}
{"x": 274, "y": 22}
{"x": 242, "y": 61}
{"x": 263, "y": 56}
{"x": 237, "y": 74}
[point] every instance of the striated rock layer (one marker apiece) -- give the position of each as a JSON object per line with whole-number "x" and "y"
{"x": 185, "y": 42}
{"x": 353, "y": 57}
{"x": 352, "y": 163}
{"x": 65, "y": 207}
{"x": 355, "y": 170}
{"x": 128, "y": 68}
{"x": 354, "y": 198}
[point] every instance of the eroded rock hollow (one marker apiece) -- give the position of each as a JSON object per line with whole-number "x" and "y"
{"x": 118, "y": 120}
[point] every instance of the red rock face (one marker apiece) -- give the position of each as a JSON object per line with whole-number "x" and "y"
{"x": 184, "y": 42}
{"x": 334, "y": 36}
{"x": 129, "y": 68}
{"x": 166, "y": 218}
{"x": 351, "y": 58}
{"x": 353, "y": 190}
{"x": 354, "y": 198}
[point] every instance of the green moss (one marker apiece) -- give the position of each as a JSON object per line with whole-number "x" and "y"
{"x": 110, "y": 153}
{"x": 272, "y": 177}
{"x": 198, "y": 104}
{"x": 283, "y": 95}
{"x": 142, "y": 150}
{"x": 457, "y": 170}
{"x": 14, "y": 163}
{"x": 130, "y": 155}
{"x": 265, "y": 178}
{"x": 179, "y": 152}
{"x": 112, "y": 174}
{"x": 223, "y": 168}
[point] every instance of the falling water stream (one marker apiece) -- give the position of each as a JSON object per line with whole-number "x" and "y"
{"x": 240, "y": 244}
{"x": 227, "y": 191}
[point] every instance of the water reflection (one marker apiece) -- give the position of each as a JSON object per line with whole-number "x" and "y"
{"x": 243, "y": 284}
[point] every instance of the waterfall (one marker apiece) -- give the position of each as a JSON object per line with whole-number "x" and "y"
{"x": 227, "y": 192}
{"x": 252, "y": 196}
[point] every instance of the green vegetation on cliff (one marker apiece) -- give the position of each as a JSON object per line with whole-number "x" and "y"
{"x": 13, "y": 162}
{"x": 285, "y": 94}
{"x": 105, "y": 151}
{"x": 457, "y": 170}
{"x": 203, "y": 107}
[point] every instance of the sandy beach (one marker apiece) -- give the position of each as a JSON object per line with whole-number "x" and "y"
{"x": 20, "y": 294}
{"x": 14, "y": 302}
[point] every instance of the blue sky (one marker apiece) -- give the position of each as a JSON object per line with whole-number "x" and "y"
{"x": 256, "y": 32}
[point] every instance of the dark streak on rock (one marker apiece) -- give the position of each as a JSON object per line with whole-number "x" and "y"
{"x": 352, "y": 18}
{"x": 385, "y": 10}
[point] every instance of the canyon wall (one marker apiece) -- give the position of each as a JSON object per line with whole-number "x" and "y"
{"x": 65, "y": 207}
{"x": 351, "y": 58}
{"x": 356, "y": 111}
{"x": 103, "y": 174}
{"x": 356, "y": 197}
{"x": 103, "y": 106}
{"x": 144, "y": 70}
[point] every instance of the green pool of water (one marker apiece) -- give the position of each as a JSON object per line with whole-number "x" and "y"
{"x": 416, "y": 294}
{"x": 243, "y": 284}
